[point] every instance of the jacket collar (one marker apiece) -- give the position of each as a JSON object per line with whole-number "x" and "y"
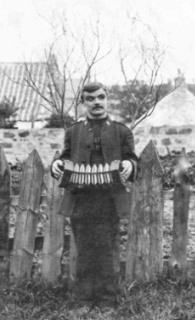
{"x": 108, "y": 121}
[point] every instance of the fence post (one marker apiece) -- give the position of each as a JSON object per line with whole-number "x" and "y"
{"x": 145, "y": 230}
{"x": 27, "y": 217}
{"x": 178, "y": 260}
{"x": 54, "y": 232}
{"x": 4, "y": 211}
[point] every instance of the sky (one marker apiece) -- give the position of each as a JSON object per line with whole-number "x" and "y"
{"x": 26, "y": 29}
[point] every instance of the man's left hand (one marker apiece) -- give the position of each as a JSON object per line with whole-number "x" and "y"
{"x": 127, "y": 169}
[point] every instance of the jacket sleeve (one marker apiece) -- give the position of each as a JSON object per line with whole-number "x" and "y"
{"x": 128, "y": 151}
{"x": 66, "y": 151}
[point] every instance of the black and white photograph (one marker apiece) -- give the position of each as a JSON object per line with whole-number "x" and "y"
{"x": 97, "y": 160}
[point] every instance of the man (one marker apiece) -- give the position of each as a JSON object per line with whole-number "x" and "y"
{"x": 95, "y": 212}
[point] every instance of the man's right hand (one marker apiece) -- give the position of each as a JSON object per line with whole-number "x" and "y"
{"x": 57, "y": 168}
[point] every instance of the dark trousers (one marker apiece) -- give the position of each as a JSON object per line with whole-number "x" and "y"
{"x": 95, "y": 226}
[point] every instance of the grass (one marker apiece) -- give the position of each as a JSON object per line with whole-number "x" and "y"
{"x": 163, "y": 299}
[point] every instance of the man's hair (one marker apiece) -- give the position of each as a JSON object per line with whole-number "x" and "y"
{"x": 91, "y": 87}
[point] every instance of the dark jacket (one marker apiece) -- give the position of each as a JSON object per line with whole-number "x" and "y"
{"x": 117, "y": 144}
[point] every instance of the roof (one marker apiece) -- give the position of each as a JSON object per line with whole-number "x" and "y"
{"x": 13, "y": 85}
{"x": 176, "y": 109}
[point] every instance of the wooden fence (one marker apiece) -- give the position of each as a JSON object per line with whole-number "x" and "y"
{"x": 144, "y": 254}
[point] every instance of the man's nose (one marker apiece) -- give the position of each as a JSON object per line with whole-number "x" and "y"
{"x": 96, "y": 100}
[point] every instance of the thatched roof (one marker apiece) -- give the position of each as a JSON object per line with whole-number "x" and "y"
{"x": 176, "y": 109}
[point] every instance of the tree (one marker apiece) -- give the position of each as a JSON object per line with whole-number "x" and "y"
{"x": 120, "y": 99}
{"x": 71, "y": 55}
{"x": 142, "y": 63}
{"x": 7, "y": 109}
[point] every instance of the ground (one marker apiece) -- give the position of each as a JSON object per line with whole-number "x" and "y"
{"x": 163, "y": 299}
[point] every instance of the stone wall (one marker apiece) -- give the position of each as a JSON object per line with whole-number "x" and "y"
{"x": 166, "y": 139}
{"x": 18, "y": 144}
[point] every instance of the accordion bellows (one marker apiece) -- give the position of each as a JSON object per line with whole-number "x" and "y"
{"x": 99, "y": 176}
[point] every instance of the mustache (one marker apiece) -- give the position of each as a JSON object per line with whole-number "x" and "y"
{"x": 97, "y": 107}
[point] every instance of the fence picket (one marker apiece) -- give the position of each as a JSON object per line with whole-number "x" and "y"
{"x": 4, "y": 211}
{"x": 144, "y": 249}
{"x": 27, "y": 217}
{"x": 54, "y": 233}
{"x": 181, "y": 209}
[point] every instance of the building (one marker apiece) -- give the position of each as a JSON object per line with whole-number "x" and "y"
{"x": 176, "y": 109}
{"x": 171, "y": 126}
{"x": 16, "y": 84}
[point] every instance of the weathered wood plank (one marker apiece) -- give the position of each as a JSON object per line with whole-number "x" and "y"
{"x": 4, "y": 212}
{"x": 54, "y": 232}
{"x": 145, "y": 230}
{"x": 181, "y": 200}
{"x": 72, "y": 258}
{"x": 27, "y": 217}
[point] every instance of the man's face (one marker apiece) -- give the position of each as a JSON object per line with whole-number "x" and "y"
{"x": 96, "y": 103}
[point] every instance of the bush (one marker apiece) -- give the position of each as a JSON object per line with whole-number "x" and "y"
{"x": 7, "y": 109}
{"x": 169, "y": 163}
{"x": 56, "y": 121}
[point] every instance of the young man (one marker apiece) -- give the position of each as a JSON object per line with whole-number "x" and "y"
{"x": 95, "y": 212}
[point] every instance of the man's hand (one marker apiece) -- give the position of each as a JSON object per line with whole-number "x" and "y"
{"x": 127, "y": 169}
{"x": 57, "y": 168}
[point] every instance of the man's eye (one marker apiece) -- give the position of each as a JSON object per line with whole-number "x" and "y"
{"x": 101, "y": 97}
{"x": 89, "y": 98}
